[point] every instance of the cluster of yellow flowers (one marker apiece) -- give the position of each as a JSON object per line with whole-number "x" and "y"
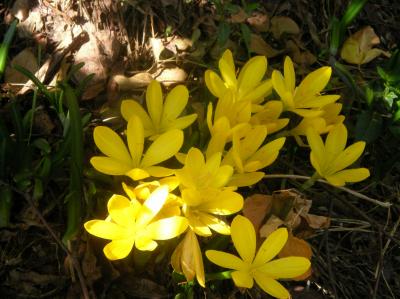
{"x": 196, "y": 198}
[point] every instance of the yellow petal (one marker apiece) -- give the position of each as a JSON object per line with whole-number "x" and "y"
{"x": 242, "y": 279}
{"x": 279, "y": 84}
{"x": 130, "y": 108}
{"x": 167, "y": 228}
{"x": 290, "y": 76}
{"x": 227, "y": 69}
{"x": 245, "y": 179}
{"x": 316, "y": 145}
{"x": 163, "y": 148}
{"x": 159, "y": 171}
{"x": 269, "y": 152}
{"x": 348, "y": 156}
{"x": 154, "y": 102}
{"x": 244, "y": 238}
{"x": 348, "y": 175}
{"x": 253, "y": 140}
{"x": 137, "y": 174}
{"x": 135, "y": 137}
{"x": 225, "y": 260}
{"x": 105, "y": 229}
{"x": 191, "y": 197}
{"x": 318, "y": 101}
{"x": 152, "y": 205}
{"x": 109, "y": 165}
{"x": 197, "y": 226}
{"x": 336, "y": 140}
{"x": 261, "y": 91}
{"x": 270, "y": 286}
{"x": 308, "y": 112}
{"x": 251, "y": 74}
{"x": 314, "y": 82}
{"x": 317, "y": 164}
{"x": 175, "y": 102}
{"x": 215, "y": 223}
{"x": 192, "y": 256}
{"x": 214, "y": 84}
{"x": 110, "y": 144}
{"x": 118, "y": 249}
{"x": 121, "y": 210}
{"x": 226, "y": 203}
{"x": 287, "y": 267}
{"x": 144, "y": 243}
{"x": 182, "y": 122}
{"x": 271, "y": 246}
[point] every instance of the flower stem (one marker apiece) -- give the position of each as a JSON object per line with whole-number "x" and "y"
{"x": 310, "y": 182}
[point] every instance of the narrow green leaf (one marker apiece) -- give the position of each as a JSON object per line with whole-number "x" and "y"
{"x": 5, "y": 46}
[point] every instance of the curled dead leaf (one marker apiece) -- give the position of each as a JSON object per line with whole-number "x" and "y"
{"x": 358, "y": 48}
{"x": 256, "y": 208}
{"x": 281, "y": 25}
{"x": 138, "y": 80}
{"x": 270, "y": 226}
{"x": 259, "y": 46}
{"x": 171, "y": 76}
{"x": 259, "y": 22}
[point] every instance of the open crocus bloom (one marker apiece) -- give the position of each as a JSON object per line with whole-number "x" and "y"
{"x": 131, "y": 223}
{"x": 162, "y": 116}
{"x": 247, "y": 156}
{"x": 305, "y": 99}
{"x": 268, "y": 115}
{"x": 247, "y": 87}
{"x": 259, "y": 267}
{"x": 331, "y": 159}
{"x": 130, "y": 161}
{"x": 204, "y": 195}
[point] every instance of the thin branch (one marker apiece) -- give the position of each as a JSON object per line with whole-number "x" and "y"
{"x": 352, "y": 192}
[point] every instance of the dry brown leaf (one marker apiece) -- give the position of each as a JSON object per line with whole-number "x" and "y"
{"x": 297, "y": 247}
{"x": 270, "y": 226}
{"x": 300, "y": 56}
{"x": 138, "y": 80}
{"x": 281, "y": 25}
{"x": 259, "y": 46}
{"x": 259, "y": 22}
{"x": 317, "y": 222}
{"x": 171, "y": 76}
{"x": 358, "y": 48}
{"x": 256, "y": 207}
{"x": 239, "y": 17}
{"x": 26, "y": 59}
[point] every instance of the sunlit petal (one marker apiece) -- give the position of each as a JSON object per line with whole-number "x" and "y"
{"x": 175, "y": 102}
{"x": 252, "y": 73}
{"x": 118, "y": 249}
{"x": 270, "y": 286}
{"x": 290, "y": 77}
{"x": 215, "y": 223}
{"x": 225, "y": 260}
{"x": 271, "y": 246}
{"x": 152, "y": 205}
{"x": 154, "y": 102}
{"x": 348, "y": 175}
{"x": 105, "y": 229}
{"x": 163, "y": 148}
{"x": 110, "y": 165}
{"x": 144, "y": 243}
{"x": 314, "y": 82}
{"x": 159, "y": 171}
{"x": 242, "y": 279}
{"x": 121, "y": 210}
{"x": 227, "y": 72}
{"x": 130, "y": 108}
{"x": 225, "y": 203}
{"x": 348, "y": 156}
{"x": 182, "y": 122}
{"x": 308, "y": 112}
{"x": 110, "y": 144}
{"x": 316, "y": 145}
{"x": 167, "y": 228}
{"x": 244, "y": 238}
{"x": 214, "y": 83}
{"x": 245, "y": 179}
{"x": 288, "y": 267}
{"x": 336, "y": 140}
{"x": 135, "y": 138}
{"x": 261, "y": 91}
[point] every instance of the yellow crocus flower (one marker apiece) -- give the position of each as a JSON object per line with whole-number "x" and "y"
{"x": 161, "y": 116}
{"x": 130, "y": 161}
{"x": 247, "y": 155}
{"x": 204, "y": 195}
{"x": 132, "y": 224}
{"x": 305, "y": 99}
{"x": 259, "y": 267}
{"x": 248, "y": 86}
{"x": 331, "y": 159}
{"x": 268, "y": 115}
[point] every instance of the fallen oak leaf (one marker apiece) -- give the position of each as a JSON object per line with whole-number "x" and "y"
{"x": 358, "y": 48}
{"x": 281, "y": 25}
{"x": 256, "y": 207}
{"x": 259, "y": 46}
